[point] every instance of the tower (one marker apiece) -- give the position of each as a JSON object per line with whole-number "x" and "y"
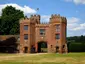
{"x": 58, "y": 32}
{"x": 27, "y": 33}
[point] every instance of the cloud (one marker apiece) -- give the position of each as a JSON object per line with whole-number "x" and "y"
{"x": 25, "y": 9}
{"x": 80, "y": 27}
{"x": 45, "y": 18}
{"x": 74, "y": 24}
{"x": 79, "y": 1}
{"x": 73, "y": 20}
{"x": 75, "y": 27}
{"x": 76, "y": 1}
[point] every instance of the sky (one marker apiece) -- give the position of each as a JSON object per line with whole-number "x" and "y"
{"x": 73, "y": 10}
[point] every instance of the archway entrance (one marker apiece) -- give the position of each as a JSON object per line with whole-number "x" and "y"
{"x": 42, "y": 47}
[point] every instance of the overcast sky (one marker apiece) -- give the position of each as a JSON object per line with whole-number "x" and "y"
{"x": 73, "y": 10}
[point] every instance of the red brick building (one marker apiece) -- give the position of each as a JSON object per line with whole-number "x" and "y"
{"x": 43, "y": 37}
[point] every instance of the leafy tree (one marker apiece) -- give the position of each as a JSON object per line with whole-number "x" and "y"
{"x": 77, "y": 39}
{"x": 9, "y": 23}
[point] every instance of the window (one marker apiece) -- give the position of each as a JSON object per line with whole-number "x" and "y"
{"x": 57, "y": 36}
{"x": 42, "y": 31}
{"x": 25, "y": 27}
{"x": 58, "y": 27}
{"x": 26, "y": 36}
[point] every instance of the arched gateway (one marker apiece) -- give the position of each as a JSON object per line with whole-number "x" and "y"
{"x": 43, "y": 37}
{"x": 42, "y": 47}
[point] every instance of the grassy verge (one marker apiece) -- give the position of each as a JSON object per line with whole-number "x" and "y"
{"x": 70, "y": 58}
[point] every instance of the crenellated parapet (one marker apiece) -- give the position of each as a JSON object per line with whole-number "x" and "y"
{"x": 35, "y": 18}
{"x": 57, "y": 18}
{"x": 64, "y": 20}
{"x": 32, "y": 19}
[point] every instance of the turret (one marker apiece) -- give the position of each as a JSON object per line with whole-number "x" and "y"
{"x": 35, "y": 19}
{"x": 58, "y": 24}
{"x": 57, "y": 19}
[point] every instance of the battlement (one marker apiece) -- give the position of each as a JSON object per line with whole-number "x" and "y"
{"x": 64, "y": 19}
{"x": 35, "y": 17}
{"x": 57, "y": 18}
{"x": 55, "y": 15}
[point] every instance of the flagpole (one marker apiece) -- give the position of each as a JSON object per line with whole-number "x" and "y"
{"x": 37, "y": 10}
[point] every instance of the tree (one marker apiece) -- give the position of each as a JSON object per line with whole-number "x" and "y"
{"x": 9, "y": 23}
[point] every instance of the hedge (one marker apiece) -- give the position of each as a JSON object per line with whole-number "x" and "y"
{"x": 76, "y": 47}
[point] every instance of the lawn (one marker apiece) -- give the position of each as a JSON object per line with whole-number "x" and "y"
{"x": 43, "y": 58}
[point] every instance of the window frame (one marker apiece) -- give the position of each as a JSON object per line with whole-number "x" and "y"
{"x": 57, "y": 36}
{"x": 25, "y": 36}
{"x": 25, "y": 27}
{"x": 58, "y": 28}
{"x": 42, "y": 32}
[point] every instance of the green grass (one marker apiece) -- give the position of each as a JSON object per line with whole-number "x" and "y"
{"x": 70, "y": 58}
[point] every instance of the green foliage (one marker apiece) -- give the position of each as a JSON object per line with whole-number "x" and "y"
{"x": 77, "y": 47}
{"x": 76, "y": 39}
{"x": 9, "y": 23}
{"x": 76, "y": 43}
